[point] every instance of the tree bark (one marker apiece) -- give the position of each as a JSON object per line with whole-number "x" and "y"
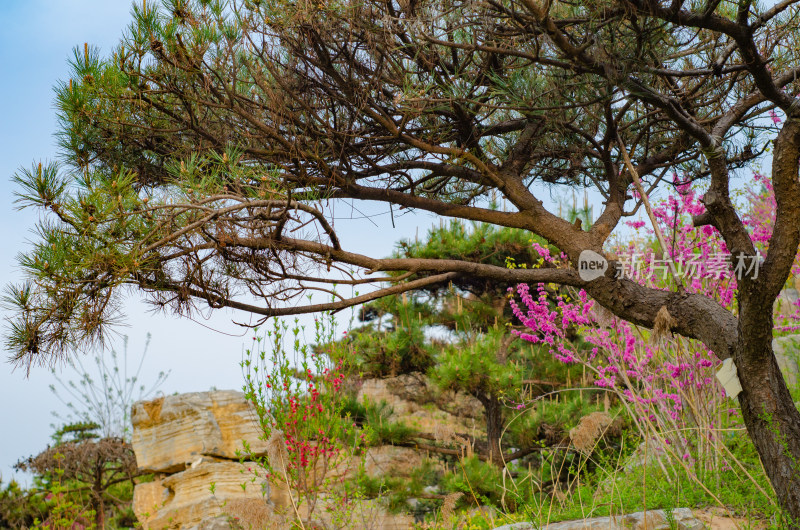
{"x": 493, "y": 411}
{"x": 773, "y": 422}
{"x": 97, "y": 496}
{"x": 769, "y": 413}
{"x": 99, "y": 511}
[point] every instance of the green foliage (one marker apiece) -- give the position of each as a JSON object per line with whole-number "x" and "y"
{"x": 474, "y": 367}
{"x": 479, "y": 243}
{"x": 65, "y": 511}
{"x": 609, "y": 490}
{"x": 19, "y": 508}
{"x": 194, "y": 155}
{"x": 75, "y": 432}
{"x": 477, "y": 480}
{"x": 396, "y": 491}
{"x": 458, "y": 335}
{"x": 397, "y": 345}
{"x": 476, "y": 242}
{"x": 304, "y": 411}
{"x": 385, "y": 430}
{"x": 84, "y": 475}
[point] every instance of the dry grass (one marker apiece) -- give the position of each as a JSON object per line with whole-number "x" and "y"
{"x": 276, "y": 451}
{"x": 251, "y": 514}
{"x": 448, "y": 508}
{"x": 590, "y": 429}
{"x": 663, "y": 324}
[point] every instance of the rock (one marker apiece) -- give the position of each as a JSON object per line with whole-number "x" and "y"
{"x": 186, "y": 500}
{"x": 217, "y": 523}
{"x": 787, "y": 352}
{"x": 460, "y": 404}
{"x": 410, "y": 397}
{"x": 407, "y": 393}
{"x": 650, "y": 453}
{"x": 377, "y": 390}
{"x": 190, "y": 442}
{"x": 391, "y": 460}
{"x": 411, "y": 387}
{"x": 716, "y": 518}
{"x": 656, "y": 520}
{"x": 487, "y": 512}
{"x": 171, "y": 432}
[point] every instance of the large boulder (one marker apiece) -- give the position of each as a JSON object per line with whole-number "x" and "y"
{"x": 169, "y": 433}
{"x": 390, "y": 460}
{"x": 198, "y": 497}
{"x": 412, "y": 399}
{"x": 787, "y": 353}
{"x": 190, "y": 443}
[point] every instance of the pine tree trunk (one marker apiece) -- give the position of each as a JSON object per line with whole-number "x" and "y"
{"x": 494, "y": 429}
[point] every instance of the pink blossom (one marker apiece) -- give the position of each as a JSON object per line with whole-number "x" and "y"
{"x": 655, "y": 380}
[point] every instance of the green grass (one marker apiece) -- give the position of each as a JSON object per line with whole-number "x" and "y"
{"x": 610, "y": 491}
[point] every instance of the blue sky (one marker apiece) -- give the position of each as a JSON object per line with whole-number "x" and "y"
{"x": 36, "y": 40}
{"x": 35, "y": 44}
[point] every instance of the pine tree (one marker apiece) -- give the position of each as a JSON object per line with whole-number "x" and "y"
{"x": 458, "y": 332}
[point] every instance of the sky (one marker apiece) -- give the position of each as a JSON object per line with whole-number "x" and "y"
{"x": 36, "y": 42}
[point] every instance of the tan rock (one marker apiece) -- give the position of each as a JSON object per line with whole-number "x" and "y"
{"x": 412, "y": 400}
{"x": 377, "y": 390}
{"x": 461, "y": 405}
{"x": 171, "y": 432}
{"x": 411, "y": 387}
{"x": 186, "y": 500}
{"x": 391, "y": 460}
{"x": 716, "y": 518}
{"x": 148, "y": 498}
{"x": 195, "y": 438}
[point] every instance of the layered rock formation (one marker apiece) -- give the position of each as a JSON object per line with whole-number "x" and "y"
{"x": 412, "y": 398}
{"x": 198, "y": 497}
{"x": 170, "y": 433}
{"x": 191, "y": 443}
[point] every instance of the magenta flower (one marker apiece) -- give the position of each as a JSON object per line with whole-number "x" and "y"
{"x": 662, "y": 384}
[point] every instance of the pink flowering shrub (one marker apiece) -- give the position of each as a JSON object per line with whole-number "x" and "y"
{"x": 667, "y": 383}
{"x": 663, "y": 383}
{"x": 698, "y": 254}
